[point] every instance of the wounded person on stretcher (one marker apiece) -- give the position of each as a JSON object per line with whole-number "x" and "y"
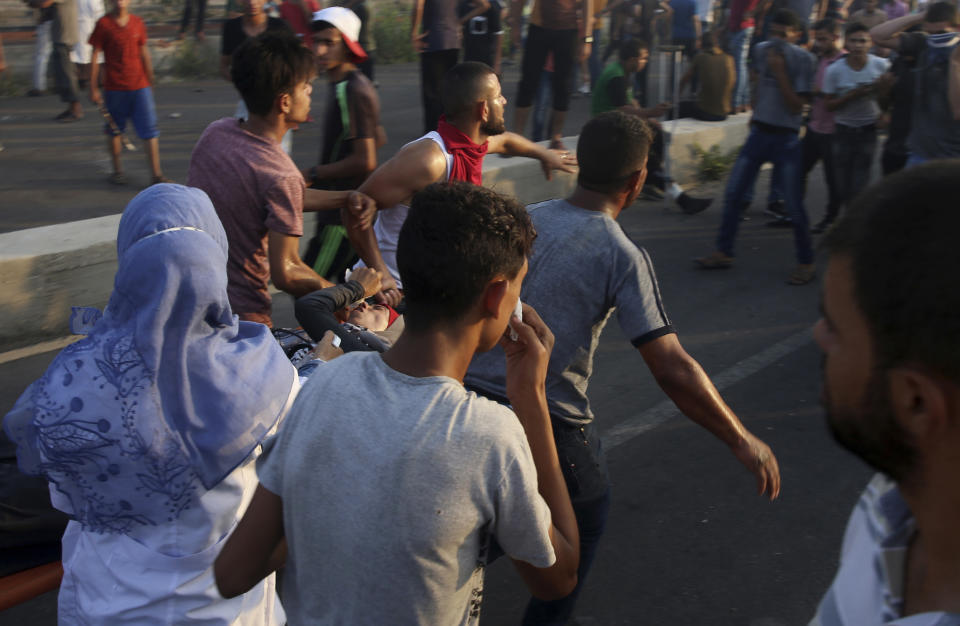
{"x": 360, "y": 326}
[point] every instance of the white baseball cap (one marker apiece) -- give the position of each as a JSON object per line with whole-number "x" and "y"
{"x": 347, "y": 22}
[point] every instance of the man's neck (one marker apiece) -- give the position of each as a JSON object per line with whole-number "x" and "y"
{"x": 856, "y": 63}
{"x": 597, "y": 201}
{"x": 338, "y": 73}
{"x": 271, "y": 127}
{"x": 435, "y": 352}
{"x": 255, "y": 20}
{"x": 121, "y": 15}
{"x": 471, "y": 130}
{"x": 933, "y": 559}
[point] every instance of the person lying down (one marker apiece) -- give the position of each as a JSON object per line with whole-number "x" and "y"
{"x": 360, "y": 326}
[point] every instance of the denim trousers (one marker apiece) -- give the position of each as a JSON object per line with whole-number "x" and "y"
{"x": 784, "y": 151}
{"x": 740, "y": 50}
{"x": 853, "y": 151}
{"x": 584, "y": 471}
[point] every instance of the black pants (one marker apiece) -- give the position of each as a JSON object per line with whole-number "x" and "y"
{"x": 65, "y": 73}
{"x": 188, "y": 13}
{"x": 819, "y": 147}
{"x": 433, "y": 67}
{"x": 540, "y": 42}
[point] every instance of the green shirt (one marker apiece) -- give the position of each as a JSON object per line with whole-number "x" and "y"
{"x": 607, "y": 92}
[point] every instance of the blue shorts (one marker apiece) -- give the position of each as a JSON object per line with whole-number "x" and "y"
{"x": 136, "y": 105}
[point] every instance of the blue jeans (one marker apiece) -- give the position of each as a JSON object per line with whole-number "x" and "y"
{"x": 584, "y": 470}
{"x": 784, "y": 151}
{"x": 740, "y": 50}
{"x": 853, "y": 152}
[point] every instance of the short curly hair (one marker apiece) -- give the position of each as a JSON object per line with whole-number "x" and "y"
{"x": 457, "y": 237}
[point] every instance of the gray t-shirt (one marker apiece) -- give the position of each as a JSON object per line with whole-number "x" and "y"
{"x": 64, "y": 29}
{"x": 769, "y": 106}
{"x": 583, "y": 267}
{"x": 841, "y": 78}
{"x": 392, "y": 489}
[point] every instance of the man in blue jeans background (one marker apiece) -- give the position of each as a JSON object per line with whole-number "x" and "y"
{"x": 784, "y": 80}
{"x": 584, "y": 270}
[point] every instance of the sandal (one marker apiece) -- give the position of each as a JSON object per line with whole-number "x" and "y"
{"x": 160, "y": 179}
{"x": 118, "y": 178}
{"x": 715, "y": 261}
{"x": 802, "y": 274}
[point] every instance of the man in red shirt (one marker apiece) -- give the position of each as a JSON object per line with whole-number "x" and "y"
{"x": 127, "y": 94}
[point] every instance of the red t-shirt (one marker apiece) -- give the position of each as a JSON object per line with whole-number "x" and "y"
{"x": 121, "y": 47}
{"x": 294, "y": 16}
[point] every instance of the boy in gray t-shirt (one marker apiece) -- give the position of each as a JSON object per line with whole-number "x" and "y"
{"x": 389, "y": 481}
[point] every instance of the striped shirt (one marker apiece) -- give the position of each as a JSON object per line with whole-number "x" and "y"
{"x": 869, "y": 585}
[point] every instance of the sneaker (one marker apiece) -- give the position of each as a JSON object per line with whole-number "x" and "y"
{"x": 715, "y": 261}
{"x": 776, "y": 209}
{"x": 781, "y": 222}
{"x": 822, "y": 226}
{"x": 691, "y": 206}
{"x": 584, "y": 89}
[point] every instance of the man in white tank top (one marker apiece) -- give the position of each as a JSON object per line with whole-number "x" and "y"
{"x": 473, "y": 126}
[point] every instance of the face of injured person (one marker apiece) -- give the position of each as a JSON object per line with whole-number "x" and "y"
{"x": 370, "y": 316}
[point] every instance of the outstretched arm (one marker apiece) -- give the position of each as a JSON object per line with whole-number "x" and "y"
{"x": 685, "y": 382}
{"x": 518, "y": 145}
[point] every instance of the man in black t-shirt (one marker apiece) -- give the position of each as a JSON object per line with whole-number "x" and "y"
{"x": 482, "y": 31}
{"x": 351, "y": 133}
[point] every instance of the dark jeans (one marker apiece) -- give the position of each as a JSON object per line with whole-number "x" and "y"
{"x": 853, "y": 150}
{"x": 433, "y": 67}
{"x": 65, "y": 73}
{"x": 819, "y": 147}
{"x": 584, "y": 470}
{"x": 188, "y": 13}
{"x": 782, "y": 148}
{"x": 539, "y": 43}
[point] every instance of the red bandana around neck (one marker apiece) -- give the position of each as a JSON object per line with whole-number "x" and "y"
{"x": 467, "y": 156}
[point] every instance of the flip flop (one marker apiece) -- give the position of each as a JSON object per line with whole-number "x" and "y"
{"x": 118, "y": 178}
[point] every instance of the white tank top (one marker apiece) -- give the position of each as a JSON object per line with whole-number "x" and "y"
{"x": 389, "y": 221}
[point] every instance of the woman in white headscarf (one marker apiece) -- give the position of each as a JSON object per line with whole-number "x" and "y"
{"x": 148, "y": 427}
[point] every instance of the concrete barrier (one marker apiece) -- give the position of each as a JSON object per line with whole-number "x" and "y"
{"x": 44, "y": 271}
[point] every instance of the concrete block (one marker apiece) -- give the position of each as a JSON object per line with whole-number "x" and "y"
{"x": 728, "y": 134}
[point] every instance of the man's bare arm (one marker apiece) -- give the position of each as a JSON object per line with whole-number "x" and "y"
{"x": 147, "y": 63}
{"x": 888, "y": 33}
{"x": 527, "y": 360}
{"x": 287, "y": 271}
{"x": 410, "y": 170}
{"x": 256, "y": 548}
{"x": 518, "y": 145}
{"x": 685, "y": 382}
{"x": 416, "y": 19}
{"x": 361, "y": 161}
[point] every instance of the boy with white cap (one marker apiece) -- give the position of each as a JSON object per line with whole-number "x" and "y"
{"x": 351, "y": 132}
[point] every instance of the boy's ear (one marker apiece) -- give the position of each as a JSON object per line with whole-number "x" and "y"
{"x": 493, "y": 296}
{"x": 283, "y": 103}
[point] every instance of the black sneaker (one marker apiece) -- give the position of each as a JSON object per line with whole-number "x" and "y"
{"x": 691, "y": 206}
{"x": 822, "y": 226}
{"x": 781, "y": 222}
{"x": 776, "y": 209}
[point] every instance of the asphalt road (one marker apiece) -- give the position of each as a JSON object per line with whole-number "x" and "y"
{"x": 688, "y": 541}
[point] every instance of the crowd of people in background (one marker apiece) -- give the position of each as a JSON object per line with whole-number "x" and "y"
{"x": 459, "y": 429}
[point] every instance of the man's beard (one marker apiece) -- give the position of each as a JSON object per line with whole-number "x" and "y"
{"x": 493, "y": 127}
{"x": 872, "y": 432}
